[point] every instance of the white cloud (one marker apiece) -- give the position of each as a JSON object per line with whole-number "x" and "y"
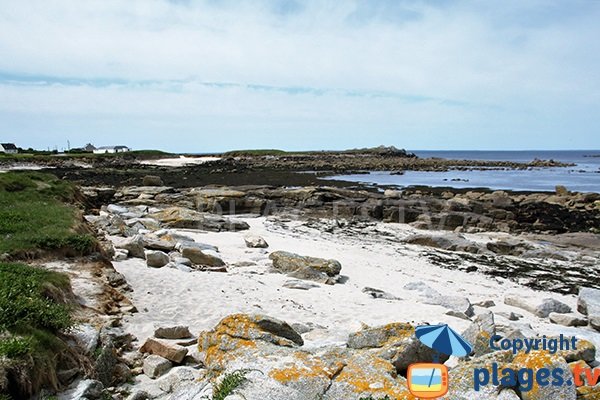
{"x": 483, "y": 67}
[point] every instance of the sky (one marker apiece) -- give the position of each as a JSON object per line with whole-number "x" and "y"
{"x": 214, "y": 75}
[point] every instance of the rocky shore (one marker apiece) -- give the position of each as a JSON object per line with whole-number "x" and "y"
{"x": 315, "y": 292}
{"x": 303, "y": 291}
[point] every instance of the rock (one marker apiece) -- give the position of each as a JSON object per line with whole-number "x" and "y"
{"x": 115, "y": 209}
{"x": 155, "y": 243}
{"x": 507, "y": 248}
{"x": 588, "y": 303}
{"x": 479, "y": 333}
{"x": 171, "y": 352}
{"x": 431, "y": 296}
{"x": 115, "y": 279}
{"x": 396, "y": 343}
{"x": 280, "y": 370}
{"x": 183, "y": 268}
{"x": 182, "y": 261}
{"x": 297, "y": 284}
{"x": 155, "y": 366}
{"x": 567, "y": 319}
{"x": 458, "y": 314}
{"x": 237, "y": 332}
{"x": 541, "y": 309}
{"x": 173, "y": 332}
{"x": 179, "y": 217}
{"x": 255, "y": 241}
{"x": 302, "y": 267}
{"x": 199, "y": 257}
{"x": 379, "y": 294}
{"x": 380, "y": 336}
{"x": 585, "y": 350}
{"x": 121, "y": 255}
{"x": 152, "y": 180}
{"x": 134, "y": 245}
{"x": 87, "y": 337}
{"x": 446, "y": 241}
{"x": 156, "y": 259}
{"x": 539, "y": 359}
{"x": 177, "y": 378}
{"x": 511, "y": 316}
{"x": 87, "y": 389}
{"x": 485, "y": 304}
{"x": 461, "y": 378}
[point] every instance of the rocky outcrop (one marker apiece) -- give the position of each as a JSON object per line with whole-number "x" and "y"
{"x": 303, "y": 267}
{"x": 180, "y": 217}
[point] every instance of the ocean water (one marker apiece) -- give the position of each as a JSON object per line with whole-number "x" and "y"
{"x": 584, "y": 177}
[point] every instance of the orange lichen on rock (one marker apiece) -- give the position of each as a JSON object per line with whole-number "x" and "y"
{"x": 306, "y": 366}
{"x": 368, "y": 374}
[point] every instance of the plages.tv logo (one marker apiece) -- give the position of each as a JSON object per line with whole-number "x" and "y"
{"x": 430, "y": 380}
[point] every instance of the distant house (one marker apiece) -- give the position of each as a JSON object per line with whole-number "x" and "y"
{"x": 8, "y": 148}
{"x": 89, "y": 148}
{"x": 111, "y": 149}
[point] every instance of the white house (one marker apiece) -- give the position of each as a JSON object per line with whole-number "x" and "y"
{"x": 8, "y": 148}
{"x": 111, "y": 149}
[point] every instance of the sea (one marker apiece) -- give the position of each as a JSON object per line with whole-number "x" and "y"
{"x": 583, "y": 177}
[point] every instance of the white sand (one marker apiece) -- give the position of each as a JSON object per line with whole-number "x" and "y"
{"x": 168, "y": 296}
{"x": 179, "y": 161}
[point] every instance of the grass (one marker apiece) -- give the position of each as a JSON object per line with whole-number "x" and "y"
{"x": 32, "y": 313}
{"x": 34, "y": 214}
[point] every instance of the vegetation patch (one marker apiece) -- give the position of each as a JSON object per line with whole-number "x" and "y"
{"x": 35, "y": 214}
{"x": 33, "y": 311}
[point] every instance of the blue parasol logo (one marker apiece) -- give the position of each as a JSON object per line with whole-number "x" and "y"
{"x": 443, "y": 339}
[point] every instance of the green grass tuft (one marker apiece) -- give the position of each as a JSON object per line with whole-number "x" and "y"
{"x": 229, "y": 383}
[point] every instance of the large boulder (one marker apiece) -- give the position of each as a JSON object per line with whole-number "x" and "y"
{"x": 536, "y": 360}
{"x": 277, "y": 369}
{"x": 396, "y": 343}
{"x": 180, "y": 217}
{"x": 303, "y": 267}
{"x": 199, "y": 257}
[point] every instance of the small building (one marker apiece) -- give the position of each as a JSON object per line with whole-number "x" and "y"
{"x": 111, "y": 149}
{"x": 89, "y": 148}
{"x": 8, "y": 148}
